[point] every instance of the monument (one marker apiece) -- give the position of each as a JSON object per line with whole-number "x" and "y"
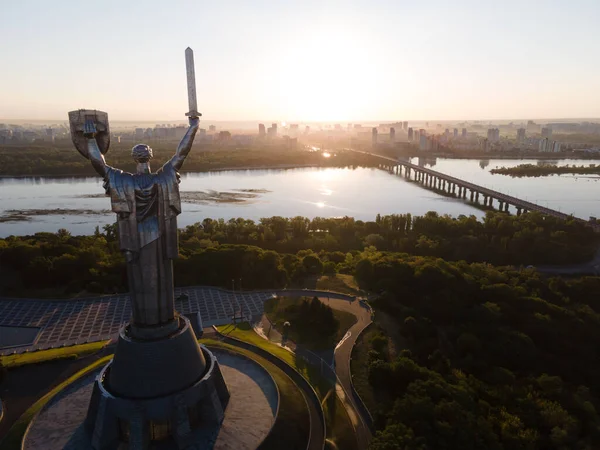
{"x": 161, "y": 385}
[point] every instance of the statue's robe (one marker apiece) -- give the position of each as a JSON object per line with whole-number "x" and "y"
{"x": 147, "y": 206}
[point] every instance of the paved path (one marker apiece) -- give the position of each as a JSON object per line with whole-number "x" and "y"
{"x": 342, "y": 355}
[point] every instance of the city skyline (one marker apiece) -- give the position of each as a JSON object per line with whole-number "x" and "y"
{"x": 321, "y": 62}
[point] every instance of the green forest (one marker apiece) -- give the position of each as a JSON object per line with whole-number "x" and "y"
{"x": 488, "y": 358}
{"x": 277, "y": 251}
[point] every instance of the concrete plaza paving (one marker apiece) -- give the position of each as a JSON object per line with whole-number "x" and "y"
{"x": 69, "y": 322}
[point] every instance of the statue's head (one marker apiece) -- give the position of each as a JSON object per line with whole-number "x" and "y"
{"x": 141, "y": 153}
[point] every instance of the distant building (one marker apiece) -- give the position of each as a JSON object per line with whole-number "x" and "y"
{"x": 180, "y": 131}
{"x": 547, "y": 132}
{"x": 410, "y": 134}
{"x": 139, "y": 133}
{"x": 202, "y": 132}
{"x": 493, "y": 135}
{"x": 212, "y": 128}
{"x": 306, "y": 129}
{"x": 261, "y": 130}
{"x": 464, "y": 133}
{"x": 485, "y": 144}
{"x": 392, "y": 134}
{"x": 424, "y": 144}
{"x": 374, "y": 136}
{"x": 50, "y": 134}
{"x": 405, "y": 125}
{"x": 557, "y": 147}
{"x": 521, "y": 136}
{"x": 224, "y": 135}
{"x": 455, "y": 133}
{"x": 274, "y": 128}
{"x": 338, "y": 127}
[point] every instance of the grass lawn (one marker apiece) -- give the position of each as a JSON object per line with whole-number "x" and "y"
{"x": 359, "y": 367}
{"x": 342, "y": 283}
{"x": 13, "y": 438}
{"x": 292, "y": 426}
{"x": 52, "y": 354}
{"x": 339, "y": 426}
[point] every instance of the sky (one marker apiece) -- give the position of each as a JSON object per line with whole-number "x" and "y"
{"x": 308, "y": 60}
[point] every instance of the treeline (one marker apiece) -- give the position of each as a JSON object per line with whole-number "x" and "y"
{"x": 276, "y": 251}
{"x": 63, "y": 159}
{"x": 488, "y": 358}
{"x": 534, "y": 170}
{"x": 498, "y": 239}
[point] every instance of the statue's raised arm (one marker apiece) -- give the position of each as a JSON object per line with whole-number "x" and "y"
{"x": 94, "y": 153}
{"x": 186, "y": 144}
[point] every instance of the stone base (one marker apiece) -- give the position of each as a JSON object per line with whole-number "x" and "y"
{"x": 249, "y": 416}
{"x": 156, "y": 391}
{"x": 155, "y": 368}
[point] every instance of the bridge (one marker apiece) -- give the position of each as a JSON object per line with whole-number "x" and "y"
{"x": 452, "y": 186}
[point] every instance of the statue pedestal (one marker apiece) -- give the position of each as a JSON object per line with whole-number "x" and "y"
{"x": 156, "y": 391}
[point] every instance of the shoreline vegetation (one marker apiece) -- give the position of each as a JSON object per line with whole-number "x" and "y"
{"x": 277, "y": 252}
{"x": 544, "y": 170}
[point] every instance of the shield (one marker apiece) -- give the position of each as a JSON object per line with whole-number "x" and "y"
{"x": 78, "y": 118}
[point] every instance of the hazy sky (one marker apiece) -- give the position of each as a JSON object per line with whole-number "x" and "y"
{"x": 302, "y": 60}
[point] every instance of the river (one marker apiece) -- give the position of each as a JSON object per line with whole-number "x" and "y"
{"x": 77, "y": 204}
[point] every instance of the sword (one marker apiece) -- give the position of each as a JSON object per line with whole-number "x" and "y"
{"x": 191, "y": 83}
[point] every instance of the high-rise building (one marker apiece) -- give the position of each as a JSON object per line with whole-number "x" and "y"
{"x": 212, "y": 128}
{"x": 557, "y": 147}
{"x": 547, "y": 132}
{"x": 464, "y": 133}
{"x": 374, "y": 136}
{"x": 424, "y": 144}
{"x": 274, "y": 127}
{"x": 405, "y": 125}
{"x": 455, "y": 133}
{"x": 493, "y": 134}
{"x": 521, "y": 135}
{"x": 261, "y": 130}
{"x": 306, "y": 129}
{"x": 410, "y": 134}
{"x": 392, "y": 134}
{"x": 485, "y": 144}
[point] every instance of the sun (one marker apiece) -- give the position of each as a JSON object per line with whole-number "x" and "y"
{"x": 329, "y": 76}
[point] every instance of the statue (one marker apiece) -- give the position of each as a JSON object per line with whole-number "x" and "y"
{"x": 147, "y": 205}
{"x": 160, "y": 382}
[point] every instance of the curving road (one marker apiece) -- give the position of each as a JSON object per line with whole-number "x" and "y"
{"x": 343, "y": 353}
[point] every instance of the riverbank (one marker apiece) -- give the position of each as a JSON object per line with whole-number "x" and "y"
{"x": 533, "y": 170}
